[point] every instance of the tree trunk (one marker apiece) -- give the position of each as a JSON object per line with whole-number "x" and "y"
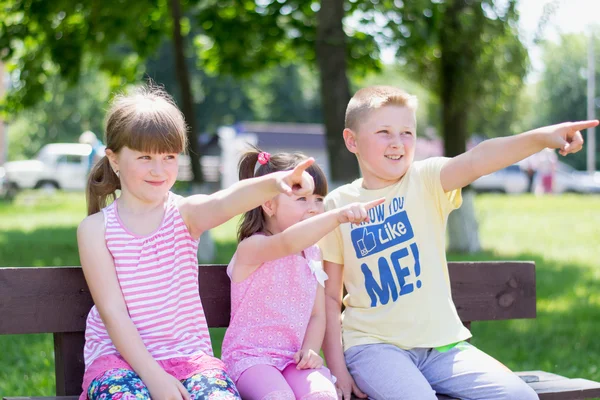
{"x": 455, "y": 64}
{"x": 187, "y": 102}
{"x": 335, "y": 90}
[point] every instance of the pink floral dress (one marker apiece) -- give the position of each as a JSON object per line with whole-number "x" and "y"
{"x": 270, "y": 311}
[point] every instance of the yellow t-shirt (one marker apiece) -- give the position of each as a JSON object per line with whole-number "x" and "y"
{"x": 395, "y": 268}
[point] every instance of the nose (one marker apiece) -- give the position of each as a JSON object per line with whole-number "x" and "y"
{"x": 157, "y": 168}
{"x": 313, "y": 207}
{"x": 397, "y": 142}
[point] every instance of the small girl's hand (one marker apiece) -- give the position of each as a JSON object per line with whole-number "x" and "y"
{"x": 308, "y": 359}
{"x": 357, "y": 212}
{"x": 297, "y": 181}
{"x": 166, "y": 387}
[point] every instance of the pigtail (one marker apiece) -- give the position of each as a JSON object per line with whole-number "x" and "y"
{"x": 247, "y": 164}
{"x": 253, "y": 220}
{"x": 102, "y": 185}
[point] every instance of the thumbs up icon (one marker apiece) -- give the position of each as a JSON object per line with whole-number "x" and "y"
{"x": 367, "y": 243}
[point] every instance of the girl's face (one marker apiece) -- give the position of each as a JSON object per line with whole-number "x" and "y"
{"x": 147, "y": 176}
{"x": 287, "y": 210}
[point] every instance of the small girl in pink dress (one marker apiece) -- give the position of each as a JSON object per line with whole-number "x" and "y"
{"x": 272, "y": 345}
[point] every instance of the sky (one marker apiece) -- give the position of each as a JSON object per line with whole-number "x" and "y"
{"x": 569, "y": 16}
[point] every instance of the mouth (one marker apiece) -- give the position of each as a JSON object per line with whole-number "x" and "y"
{"x": 393, "y": 157}
{"x": 155, "y": 183}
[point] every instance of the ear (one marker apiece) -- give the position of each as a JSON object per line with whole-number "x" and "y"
{"x": 350, "y": 140}
{"x": 113, "y": 159}
{"x": 269, "y": 207}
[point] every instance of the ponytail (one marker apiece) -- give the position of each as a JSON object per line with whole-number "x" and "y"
{"x": 248, "y": 163}
{"x": 101, "y": 186}
{"x": 253, "y": 220}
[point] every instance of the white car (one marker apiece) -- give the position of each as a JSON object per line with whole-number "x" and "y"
{"x": 66, "y": 165}
{"x": 510, "y": 180}
{"x": 568, "y": 179}
{"x": 57, "y": 166}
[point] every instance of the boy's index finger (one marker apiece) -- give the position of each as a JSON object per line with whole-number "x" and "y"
{"x": 579, "y": 125}
{"x": 374, "y": 203}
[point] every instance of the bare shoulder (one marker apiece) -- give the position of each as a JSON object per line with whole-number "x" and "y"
{"x": 250, "y": 245}
{"x": 91, "y": 227}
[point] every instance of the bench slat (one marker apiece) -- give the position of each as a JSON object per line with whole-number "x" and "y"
{"x": 567, "y": 389}
{"x": 56, "y": 299}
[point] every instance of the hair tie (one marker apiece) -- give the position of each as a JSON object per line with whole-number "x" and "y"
{"x": 263, "y": 157}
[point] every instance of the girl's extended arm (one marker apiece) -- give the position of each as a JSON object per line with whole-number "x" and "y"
{"x": 258, "y": 249}
{"x": 308, "y": 356}
{"x": 100, "y": 275}
{"x": 203, "y": 212}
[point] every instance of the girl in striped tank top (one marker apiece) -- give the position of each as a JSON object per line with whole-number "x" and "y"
{"x": 272, "y": 345}
{"x": 146, "y": 335}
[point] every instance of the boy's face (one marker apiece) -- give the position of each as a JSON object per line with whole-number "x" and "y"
{"x": 384, "y": 145}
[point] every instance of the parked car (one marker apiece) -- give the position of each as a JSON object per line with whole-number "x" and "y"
{"x": 66, "y": 165}
{"x": 568, "y": 179}
{"x": 57, "y": 166}
{"x": 511, "y": 179}
{"x": 6, "y": 191}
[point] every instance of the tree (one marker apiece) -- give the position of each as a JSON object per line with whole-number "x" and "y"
{"x": 469, "y": 54}
{"x": 183, "y": 77}
{"x": 562, "y": 90}
{"x": 43, "y": 38}
{"x": 242, "y": 37}
{"x": 331, "y": 53}
{"x": 61, "y": 115}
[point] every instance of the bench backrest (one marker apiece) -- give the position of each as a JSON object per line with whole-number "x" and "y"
{"x": 57, "y": 300}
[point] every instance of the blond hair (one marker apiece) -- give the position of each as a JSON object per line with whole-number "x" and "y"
{"x": 147, "y": 121}
{"x": 373, "y": 97}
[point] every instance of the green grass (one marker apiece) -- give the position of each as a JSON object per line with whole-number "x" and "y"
{"x": 561, "y": 234}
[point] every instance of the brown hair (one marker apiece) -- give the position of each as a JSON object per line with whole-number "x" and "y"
{"x": 373, "y": 97}
{"x": 147, "y": 121}
{"x": 254, "y": 220}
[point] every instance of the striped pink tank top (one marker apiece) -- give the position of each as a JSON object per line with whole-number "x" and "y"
{"x": 158, "y": 275}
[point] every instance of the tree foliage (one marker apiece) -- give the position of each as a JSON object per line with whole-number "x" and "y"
{"x": 40, "y": 39}
{"x": 466, "y": 52}
{"x": 562, "y": 89}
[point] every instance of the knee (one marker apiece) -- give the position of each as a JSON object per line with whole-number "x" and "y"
{"x": 519, "y": 390}
{"x": 279, "y": 395}
{"x": 320, "y": 396}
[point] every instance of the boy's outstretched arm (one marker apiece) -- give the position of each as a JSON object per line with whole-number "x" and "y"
{"x": 495, "y": 154}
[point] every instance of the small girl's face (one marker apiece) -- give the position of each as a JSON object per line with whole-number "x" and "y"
{"x": 148, "y": 176}
{"x": 289, "y": 210}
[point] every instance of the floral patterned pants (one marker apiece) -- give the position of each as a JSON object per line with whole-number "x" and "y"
{"x": 123, "y": 384}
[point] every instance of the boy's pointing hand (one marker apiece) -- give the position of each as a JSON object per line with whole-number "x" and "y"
{"x": 566, "y": 136}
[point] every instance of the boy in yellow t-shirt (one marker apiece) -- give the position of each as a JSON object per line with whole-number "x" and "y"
{"x": 400, "y": 336}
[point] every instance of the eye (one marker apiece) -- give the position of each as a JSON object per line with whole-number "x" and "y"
{"x": 144, "y": 158}
{"x": 320, "y": 199}
{"x": 383, "y": 131}
{"x": 407, "y": 133}
{"x": 170, "y": 156}
{"x": 301, "y": 199}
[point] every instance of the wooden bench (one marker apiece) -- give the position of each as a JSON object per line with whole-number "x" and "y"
{"x": 57, "y": 300}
